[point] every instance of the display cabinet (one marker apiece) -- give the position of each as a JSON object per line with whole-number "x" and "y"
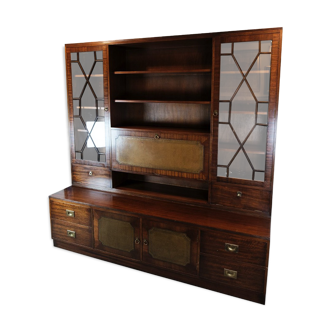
{"x": 172, "y": 155}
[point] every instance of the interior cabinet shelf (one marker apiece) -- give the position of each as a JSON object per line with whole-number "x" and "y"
{"x": 205, "y": 102}
{"x": 163, "y": 71}
{"x": 164, "y": 129}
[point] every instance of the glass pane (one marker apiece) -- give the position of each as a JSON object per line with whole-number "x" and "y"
{"x": 227, "y": 144}
{"x": 226, "y": 48}
{"x": 259, "y": 77}
{"x": 256, "y": 147}
{"x": 266, "y": 45}
{"x": 73, "y": 56}
{"x": 230, "y": 77}
{"x": 222, "y": 171}
{"x": 88, "y": 106}
{"x": 259, "y": 176}
{"x": 224, "y": 112}
{"x": 240, "y": 168}
{"x": 245, "y": 54}
{"x": 263, "y": 110}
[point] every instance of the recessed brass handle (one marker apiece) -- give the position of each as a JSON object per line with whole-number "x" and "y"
{"x": 156, "y": 136}
{"x": 70, "y": 213}
{"x": 71, "y": 233}
{"x": 230, "y": 274}
{"x": 231, "y": 247}
{"x": 90, "y": 173}
{"x": 239, "y": 194}
{"x": 106, "y": 109}
{"x": 215, "y": 113}
{"x": 137, "y": 241}
{"x": 145, "y": 241}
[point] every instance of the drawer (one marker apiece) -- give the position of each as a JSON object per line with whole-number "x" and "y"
{"x": 241, "y": 197}
{"x": 161, "y": 153}
{"x": 72, "y": 233}
{"x": 73, "y": 213}
{"x": 229, "y": 246}
{"x": 90, "y": 176}
{"x": 232, "y": 273}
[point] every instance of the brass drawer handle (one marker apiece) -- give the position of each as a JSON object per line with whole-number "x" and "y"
{"x": 230, "y": 274}
{"x": 231, "y": 247}
{"x": 71, "y": 233}
{"x": 145, "y": 241}
{"x": 70, "y": 213}
{"x": 137, "y": 241}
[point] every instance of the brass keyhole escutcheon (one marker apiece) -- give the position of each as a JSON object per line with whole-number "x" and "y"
{"x": 231, "y": 247}
{"x": 137, "y": 241}
{"x": 145, "y": 241}
{"x": 215, "y": 113}
{"x": 239, "y": 194}
{"x": 106, "y": 109}
{"x": 156, "y": 136}
{"x": 90, "y": 173}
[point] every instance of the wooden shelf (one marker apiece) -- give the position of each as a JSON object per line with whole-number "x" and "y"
{"x": 249, "y": 149}
{"x": 163, "y": 101}
{"x": 163, "y": 71}
{"x": 163, "y": 129}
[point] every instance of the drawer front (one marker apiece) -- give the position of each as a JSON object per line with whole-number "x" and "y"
{"x": 157, "y": 152}
{"x": 241, "y": 197}
{"x": 73, "y": 213}
{"x": 232, "y": 273}
{"x": 72, "y": 233}
{"x": 230, "y": 246}
{"x": 90, "y": 176}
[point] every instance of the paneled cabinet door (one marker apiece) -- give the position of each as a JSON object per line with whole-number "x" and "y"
{"x": 87, "y": 83}
{"x": 170, "y": 246}
{"x": 117, "y": 234}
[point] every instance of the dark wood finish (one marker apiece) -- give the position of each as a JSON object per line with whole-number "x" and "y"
{"x": 169, "y": 87}
{"x": 205, "y": 217}
{"x": 189, "y": 233}
{"x": 248, "y": 276}
{"x": 249, "y": 250}
{"x": 82, "y": 213}
{"x": 100, "y": 178}
{"x": 133, "y": 221}
{"x": 83, "y": 234}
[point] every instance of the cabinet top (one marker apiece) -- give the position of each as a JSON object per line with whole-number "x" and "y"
{"x": 176, "y": 36}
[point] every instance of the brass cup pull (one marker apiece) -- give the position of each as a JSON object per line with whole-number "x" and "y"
{"x": 156, "y": 136}
{"x": 239, "y": 194}
{"x": 71, "y": 233}
{"x": 231, "y": 247}
{"x": 145, "y": 241}
{"x": 137, "y": 241}
{"x": 230, "y": 274}
{"x": 70, "y": 213}
{"x": 90, "y": 173}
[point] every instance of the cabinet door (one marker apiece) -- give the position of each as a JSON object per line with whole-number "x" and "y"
{"x": 170, "y": 246}
{"x": 87, "y": 83}
{"x": 117, "y": 233}
{"x": 244, "y": 107}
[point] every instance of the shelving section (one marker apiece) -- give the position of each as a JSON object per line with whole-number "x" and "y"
{"x": 161, "y": 98}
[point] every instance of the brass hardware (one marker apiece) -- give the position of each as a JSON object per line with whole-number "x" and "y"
{"x": 239, "y": 194}
{"x": 231, "y": 247}
{"x": 70, "y": 213}
{"x": 137, "y": 241}
{"x": 106, "y": 109}
{"x": 230, "y": 274}
{"x": 156, "y": 136}
{"x": 145, "y": 241}
{"x": 90, "y": 173}
{"x": 215, "y": 113}
{"x": 71, "y": 233}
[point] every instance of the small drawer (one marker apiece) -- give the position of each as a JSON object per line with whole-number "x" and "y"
{"x": 92, "y": 177}
{"x": 241, "y": 197}
{"x": 74, "y": 213}
{"x": 231, "y": 246}
{"x": 232, "y": 273}
{"x": 68, "y": 232}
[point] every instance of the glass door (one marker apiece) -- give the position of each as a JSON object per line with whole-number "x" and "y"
{"x": 243, "y": 109}
{"x": 87, "y": 94}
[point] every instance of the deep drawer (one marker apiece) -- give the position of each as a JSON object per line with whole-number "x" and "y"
{"x": 72, "y": 233}
{"x": 161, "y": 153}
{"x": 236, "y": 247}
{"x": 73, "y": 213}
{"x": 231, "y": 273}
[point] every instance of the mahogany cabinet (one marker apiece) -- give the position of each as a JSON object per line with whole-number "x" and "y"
{"x": 172, "y": 156}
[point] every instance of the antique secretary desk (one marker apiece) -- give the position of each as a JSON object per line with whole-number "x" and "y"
{"x": 172, "y": 156}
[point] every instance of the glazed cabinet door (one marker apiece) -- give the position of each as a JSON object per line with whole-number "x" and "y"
{"x": 117, "y": 234}
{"x": 246, "y": 78}
{"x": 170, "y": 246}
{"x": 87, "y": 84}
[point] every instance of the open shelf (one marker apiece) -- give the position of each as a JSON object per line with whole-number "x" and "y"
{"x": 165, "y": 188}
{"x": 162, "y": 101}
{"x": 163, "y": 129}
